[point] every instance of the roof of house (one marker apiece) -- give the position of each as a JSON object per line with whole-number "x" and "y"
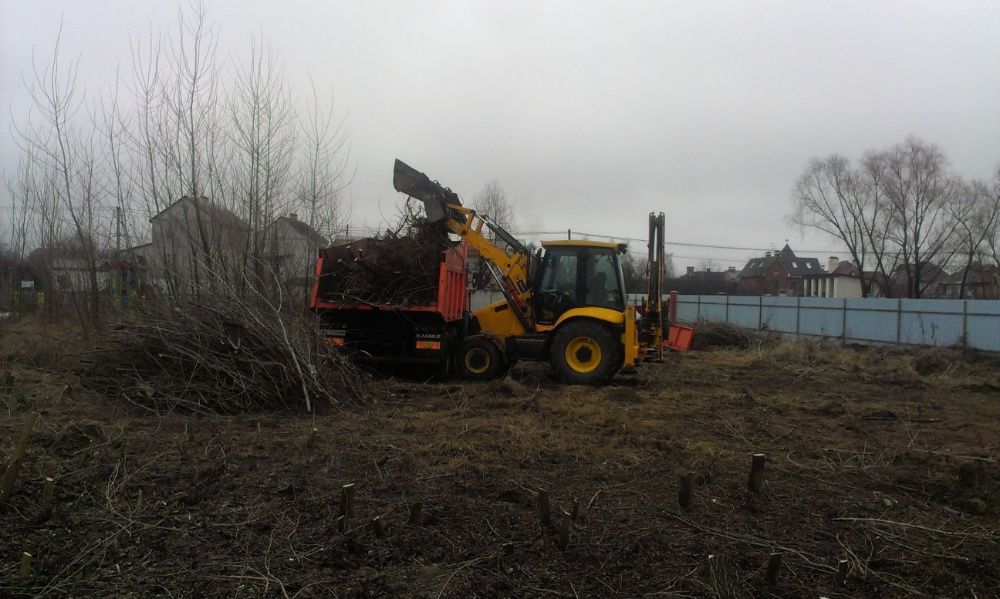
{"x": 846, "y": 268}
{"x": 709, "y": 275}
{"x": 214, "y": 211}
{"x": 48, "y": 254}
{"x": 794, "y": 265}
{"x": 312, "y": 235}
{"x": 756, "y": 267}
{"x": 929, "y": 272}
{"x": 979, "y": 274}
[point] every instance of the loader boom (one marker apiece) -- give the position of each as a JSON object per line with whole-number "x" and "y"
{"x": 656, "y": 271}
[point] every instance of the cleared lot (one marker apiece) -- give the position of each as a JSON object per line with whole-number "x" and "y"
{"x": 881, "y": 458}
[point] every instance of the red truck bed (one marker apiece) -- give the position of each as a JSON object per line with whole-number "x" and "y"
{"x": 452, "y": 293}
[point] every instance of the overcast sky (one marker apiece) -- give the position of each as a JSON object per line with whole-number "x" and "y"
{"x": 592, "y": 114}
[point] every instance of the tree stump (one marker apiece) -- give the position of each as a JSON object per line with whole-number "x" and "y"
{"x": 416, "y": 514}
{"x": 24, "y": 572}
{"x": 756, "y": 481}
{"x": 564, "y": 531}
{"x": 48, "y": 492}
{"x": 544, "y": 515}
{"x": 843, "y": 567}
{"x": 684, "y": 490}
{"x": 347, "y": 500}
{"x": 773, "y": 567}
{"x": 14, "y": 466}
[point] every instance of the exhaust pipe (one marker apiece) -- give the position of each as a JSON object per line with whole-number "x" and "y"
{"x": 435, "y": 197}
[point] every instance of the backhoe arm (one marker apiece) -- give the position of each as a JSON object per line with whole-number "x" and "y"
{"x": 443, "y": 205}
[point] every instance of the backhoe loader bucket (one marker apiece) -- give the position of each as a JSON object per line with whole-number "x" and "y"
{"x": 435, "y": 197}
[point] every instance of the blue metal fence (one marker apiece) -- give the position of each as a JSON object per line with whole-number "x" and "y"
{"x": 975, "y": 323}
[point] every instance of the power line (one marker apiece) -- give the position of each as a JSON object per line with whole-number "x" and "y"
{"x": 671, "y": 243}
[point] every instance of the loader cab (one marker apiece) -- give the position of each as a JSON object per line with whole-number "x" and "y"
{"x": 576, "y": 274}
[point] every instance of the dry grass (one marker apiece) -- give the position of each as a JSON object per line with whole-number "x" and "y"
{"x": 867, "y": 460}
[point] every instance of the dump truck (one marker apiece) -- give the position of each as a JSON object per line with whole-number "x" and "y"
{"x": 403, "y": 330}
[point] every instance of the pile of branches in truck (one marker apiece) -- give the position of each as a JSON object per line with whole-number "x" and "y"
{"x": 221, "y": 355}
{"x": 399, "y": 267}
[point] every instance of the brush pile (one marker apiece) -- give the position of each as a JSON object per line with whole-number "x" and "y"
{"x": 399, "y": 267}
{"x": 718, "y": 334}
{"x": 220, "y": 356}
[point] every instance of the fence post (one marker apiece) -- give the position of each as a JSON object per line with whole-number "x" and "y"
{"x": 697, "y": 311}
{"x": 760, "y": 312}
{"x": 965, "y": 323}
{"x": 843, "y": 323}
{"x": 899, "y": 319}
{"x": 727, "y": 308}
{"x": 798, "y": 311}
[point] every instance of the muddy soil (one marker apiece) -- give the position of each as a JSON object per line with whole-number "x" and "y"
{"x": 880, "y": 480}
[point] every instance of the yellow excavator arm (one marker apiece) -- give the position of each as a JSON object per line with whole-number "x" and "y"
{"x": 509, "y": 266}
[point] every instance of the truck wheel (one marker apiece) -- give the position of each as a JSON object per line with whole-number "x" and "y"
{"x": 481, "y": 359}
{"x": 586, "y": 353}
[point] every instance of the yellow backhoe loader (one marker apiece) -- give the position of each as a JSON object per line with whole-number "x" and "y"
{"x": 566, "y": 304}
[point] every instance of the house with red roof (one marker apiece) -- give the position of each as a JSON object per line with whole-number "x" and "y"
{"x": 777, "y": 273}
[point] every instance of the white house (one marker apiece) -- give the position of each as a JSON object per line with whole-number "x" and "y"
{"x": 293, "y": 246}
{"x": 841, "y": 279}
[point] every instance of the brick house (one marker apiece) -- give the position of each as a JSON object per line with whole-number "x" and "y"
{"x": 777, "y": 273}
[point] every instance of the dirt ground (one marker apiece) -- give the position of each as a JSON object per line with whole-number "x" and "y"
{"x": 882, "y": 458}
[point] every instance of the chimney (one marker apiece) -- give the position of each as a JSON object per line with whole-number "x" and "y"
{"x": 732, "y": 269}
{"x": 293, "y": 216}
{"x": 833, "y": 264}
{"x": 690, "y": 270}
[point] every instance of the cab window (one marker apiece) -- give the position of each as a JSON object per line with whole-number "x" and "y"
{"x": 601, "y": 284}
{"x": 560, "y": 272}
{"x": 557, "y": 289}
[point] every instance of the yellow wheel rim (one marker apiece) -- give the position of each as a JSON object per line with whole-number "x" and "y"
{"x": 583, "y": 354}
{"x": 477, "y": 360}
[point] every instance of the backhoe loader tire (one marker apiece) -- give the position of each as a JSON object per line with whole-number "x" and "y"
{"x": 481, "y": 359}
{"x": 586, "y": 353}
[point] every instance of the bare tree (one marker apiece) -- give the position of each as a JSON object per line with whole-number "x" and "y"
{"x": 892, "y": 211}
{"x": 833, "y": 197}
{"x": 323, "y": 172}
{"x": 993, "y": 233}
{"x": 493, "y": 202}
{"x": 918, "y": 190}
{"x": 264, "y": 136}
{"x": 634, "y": 268}
{"x": 975, "y": 213}
{"x": 62, "y": 149}
{"x": 23, "y": 191}
{"x": 707, "y": 264}
{"x": 226, "y": 136}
